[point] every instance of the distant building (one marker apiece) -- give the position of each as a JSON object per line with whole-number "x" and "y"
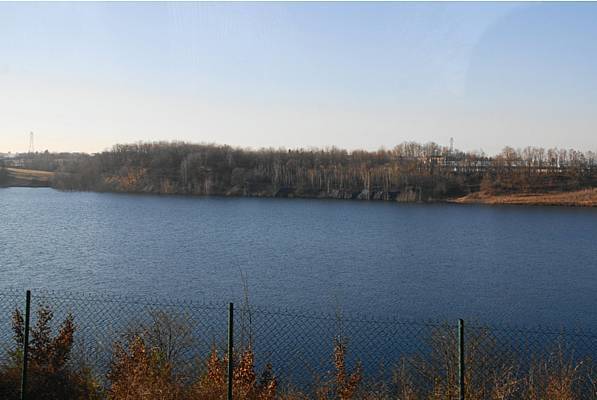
{"x": 11, "y": 159}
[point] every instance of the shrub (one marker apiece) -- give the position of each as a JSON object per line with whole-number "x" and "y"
{"x": 50, "y": 375}
{"x": 139, "y": 372}
{"x": 211, "y": 385}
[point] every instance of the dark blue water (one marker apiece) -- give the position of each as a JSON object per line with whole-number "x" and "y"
{"x": 520, "y": 265}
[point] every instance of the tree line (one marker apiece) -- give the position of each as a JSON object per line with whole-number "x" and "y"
{"x": 3, "y": 173}
{"x": 408, "y": 172}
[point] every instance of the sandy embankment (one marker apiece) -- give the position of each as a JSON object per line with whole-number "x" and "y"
{"x": 580, "y": 198}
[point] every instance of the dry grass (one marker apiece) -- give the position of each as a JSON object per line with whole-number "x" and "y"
{"x": 29, "y": 173}
{"x": 580, "y": 198}
{"x": 27, "y": 177}
{"x": 493, "y": 374}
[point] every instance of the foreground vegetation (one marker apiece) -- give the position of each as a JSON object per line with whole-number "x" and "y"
{"x": 146, "y": 365}
{"x": 408, "y": 172}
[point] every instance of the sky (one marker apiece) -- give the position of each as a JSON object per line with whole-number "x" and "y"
{"x": 84, "y": 76}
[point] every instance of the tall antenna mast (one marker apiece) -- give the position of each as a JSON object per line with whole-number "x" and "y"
{"x": 31, "y": 145}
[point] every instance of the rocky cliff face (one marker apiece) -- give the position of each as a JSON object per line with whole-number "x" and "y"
{"x": 131, "y": 180}
{"x": 139, "y": 181}
{"x": 408, "y": 194}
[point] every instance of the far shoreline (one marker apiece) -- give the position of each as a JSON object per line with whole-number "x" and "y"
{"x": 586, "y": 198}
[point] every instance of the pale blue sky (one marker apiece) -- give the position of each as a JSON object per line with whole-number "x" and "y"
{"x": 84, "y": 76}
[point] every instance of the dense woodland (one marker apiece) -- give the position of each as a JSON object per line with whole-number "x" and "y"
{"x": 408, "y": 172}
{"x": 3, "y": 173}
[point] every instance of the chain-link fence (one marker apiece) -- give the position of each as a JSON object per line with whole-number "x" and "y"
{"x": 92, "y": 346}
{"x": 9, "y": 301}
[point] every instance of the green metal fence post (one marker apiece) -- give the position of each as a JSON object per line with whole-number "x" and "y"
{"x": 230, "y": 348}
{"x": 461, "y": 359}
{"x": 25, "y": 346}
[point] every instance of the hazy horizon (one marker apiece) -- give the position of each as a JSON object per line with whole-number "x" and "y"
{"x": 589, "y": 152}
{"x": 85, "y": 76}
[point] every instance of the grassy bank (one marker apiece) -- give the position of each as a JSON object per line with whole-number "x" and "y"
{"x": 579, "y": 198}
{"x": 27, "y": 178}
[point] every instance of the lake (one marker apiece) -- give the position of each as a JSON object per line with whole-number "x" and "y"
{"x": 511, "y": 264}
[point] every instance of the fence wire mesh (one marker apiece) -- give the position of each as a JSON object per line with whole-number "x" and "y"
{"x": 178, "y": 350}
{"x": 185, "y": 331}
{"x": 9, "y": 301}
